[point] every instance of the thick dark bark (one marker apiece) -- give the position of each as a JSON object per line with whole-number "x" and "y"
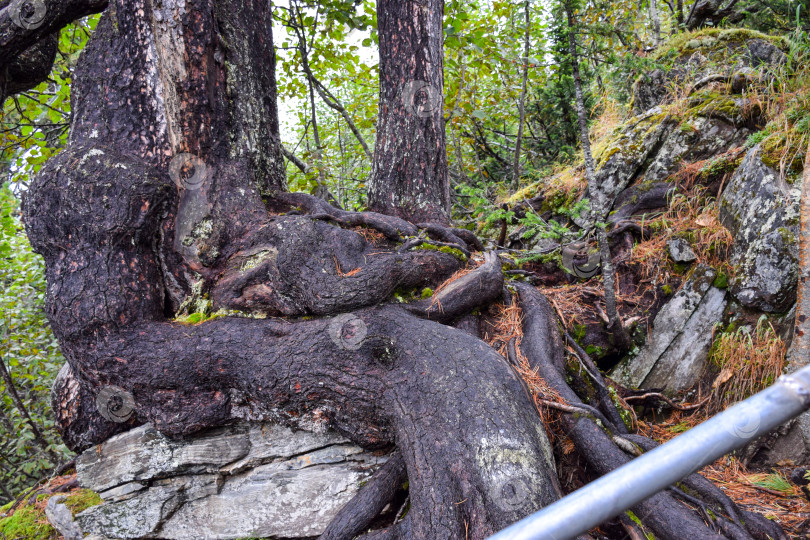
{"x": 409, "y": 171}
{"x": 24, "y": 24}
{"x": 125, "y": 244}
{"x": 201, "y": 80}
{"x": 307, "y": 338}
{"x": 28, "y": 39}
{"x": 712, "y": 12}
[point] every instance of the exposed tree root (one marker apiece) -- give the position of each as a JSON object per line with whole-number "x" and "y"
{"x": 477, "y": 288}
{"x": 393, "y": 228}
{"x": 663, "y": 514}
{"x": 356, "y": 516}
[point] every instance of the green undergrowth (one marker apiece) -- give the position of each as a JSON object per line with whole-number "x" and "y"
{"x": 28, "y": 522}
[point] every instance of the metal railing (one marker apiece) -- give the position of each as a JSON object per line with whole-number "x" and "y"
{"x": 662, "y": 467}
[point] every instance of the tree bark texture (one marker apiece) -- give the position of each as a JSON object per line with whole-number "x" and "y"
{"x": 409, "y": 171}
{"x": 171, "y": 191}
{"x": 128, "y": 235}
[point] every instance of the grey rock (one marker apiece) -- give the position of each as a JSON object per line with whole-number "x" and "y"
{"x": 272, "y": 441}
{"x": 276, "y": 500}
{"x": 622, "y": 161}
{"x": 706, "y": 57}
{"x": 246, "y": 480}
{"x": 143, "y": 454}
{"x": 743, "y": 78}
{"x": 680, "y": 250}
{"x": 138, "y": 517}
{"x": 696, "y": 139}
{"x": 676, "y": 352}
{"x": 761, "y": 211}
{"x": 120, "y": 493}
{"x": 641, "y": 197}
{"x": 788, "y": 443}
{"x": 61, "y": 518}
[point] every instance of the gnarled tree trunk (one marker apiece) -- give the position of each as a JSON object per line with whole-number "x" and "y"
{"x": 171, "y": 190}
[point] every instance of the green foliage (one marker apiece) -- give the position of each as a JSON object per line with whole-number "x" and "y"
{"x": 34, "y": 124}
{"x": 31, "y": 354}
{"x": 774, "y": 482}
{"x": 33, "y": 128}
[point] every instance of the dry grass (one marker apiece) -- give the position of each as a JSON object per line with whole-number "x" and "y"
{"x": 749, "y": 361}
{"x": 372, "y": 236}
{"x": 611, "y": 116}
{"x": 689, "y": 216}
{"x": 565, "y": 181}
{"x": 788, "y": 508}
{"x": 721, "y": 164}
{"x": 580, "y": 302}
{"x": 471, "y": 266}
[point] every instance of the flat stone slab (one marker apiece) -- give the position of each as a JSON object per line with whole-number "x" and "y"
{"x": 242, "y": 481}
{"x": 677, "y": 348}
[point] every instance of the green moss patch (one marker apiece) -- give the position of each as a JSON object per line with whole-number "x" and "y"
{"x": 714, "y": 39}
{"x": 28, "y": 522}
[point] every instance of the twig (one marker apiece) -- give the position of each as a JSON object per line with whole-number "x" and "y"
{"x": 662, "y": 397}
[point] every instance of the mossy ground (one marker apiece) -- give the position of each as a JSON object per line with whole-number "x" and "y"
{"x": 28, "y": 522}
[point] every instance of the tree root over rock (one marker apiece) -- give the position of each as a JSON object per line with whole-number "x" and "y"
{"x": 662, "y": 513}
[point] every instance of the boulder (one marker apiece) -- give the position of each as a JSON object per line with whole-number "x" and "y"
{"x": 676, "y": 352}
{"x": 711, "y": 55}
{"x": 622, "y": 160}
{"x": 698, "y": 137}
{"x": 640, "y": 198}
{"x": 762, "y": 213}
{"x": 245, "y": 480}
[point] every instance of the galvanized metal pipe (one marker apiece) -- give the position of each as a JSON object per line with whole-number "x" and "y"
{"x": 665, "y": 465}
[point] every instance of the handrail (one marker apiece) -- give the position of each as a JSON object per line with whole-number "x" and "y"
{"x": 662, "y": 467}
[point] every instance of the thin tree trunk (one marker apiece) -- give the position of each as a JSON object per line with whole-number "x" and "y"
{"x": 295, "y": 160}
{"x": 522, "y": 105}
{"x": 655, "y": 20}
{"x": 679, "y": 15}
{"x": 15, "y": 397}
{"x": 800, "y": 349}
{"x": 6, "y": 492}
{"x": 622, "y": 340}
{"x": 328, "y": 97}
{"x": 318, "y": 148}
{"x": 409, "y": 171}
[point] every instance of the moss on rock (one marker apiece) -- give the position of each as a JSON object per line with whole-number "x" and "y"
{"x": 28, "y": 522}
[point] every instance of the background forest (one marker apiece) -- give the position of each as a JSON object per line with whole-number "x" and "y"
{"x": 512, "y": 132}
